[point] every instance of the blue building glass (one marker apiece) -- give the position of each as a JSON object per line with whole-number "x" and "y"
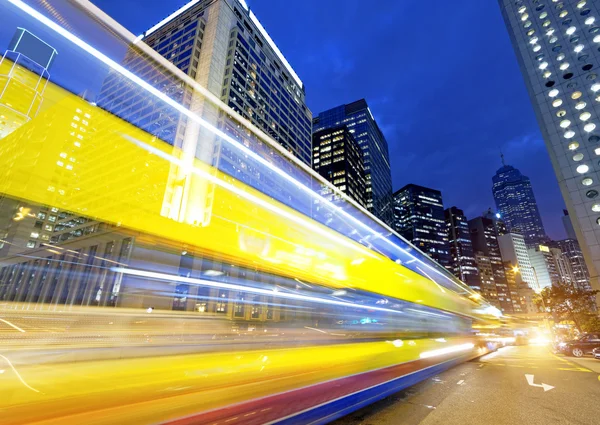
{"x": 516, "y": 204}
{"x": 360, "y": 122}
{"x": 419, "y": 217}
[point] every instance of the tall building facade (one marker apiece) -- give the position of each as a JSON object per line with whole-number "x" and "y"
{"x": 571, "y": 250}
{"x": 543, "y": 266}
{"x": 462, "y": 257}
{"x": 419, "y": 217}
{"x": 514, "y": 250}
{"x": 556, "y": 46}
{"x": 516, "y": 204}
{"x": 484, "y": 232}
{"x": 338, "y": 158}
{"x": 360, "y": 122}
{"x": 222, "y": 46}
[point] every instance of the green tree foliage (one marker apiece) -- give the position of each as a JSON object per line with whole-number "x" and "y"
{"x": 566, "y": 303}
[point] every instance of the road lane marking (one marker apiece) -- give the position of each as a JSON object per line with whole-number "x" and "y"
{"x": 574, "y": 365}
{"x": 19, "y": 375}
{"x": 530, "y": 379}
{"x": 11, "y": 325}
{"x": 461, "y": 382}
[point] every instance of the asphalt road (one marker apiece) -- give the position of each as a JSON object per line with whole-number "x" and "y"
{"x": 494, "y": 390}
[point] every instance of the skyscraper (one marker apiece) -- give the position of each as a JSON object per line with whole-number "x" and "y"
{"x": 419, "y": 217}
{"x": 556, "y": 46}
{"x": 222, "y": 45}
{"x": 360, "y": 122}
{"x": 338, "y": 158}
{"x": 544, "y": 267}
{"x": 484, "y": 232}
{"x": 571, "y": 250}
{"x": 462, "y": 257}
{"x": 514, "y": 250}
{"x": 516, "y": 204}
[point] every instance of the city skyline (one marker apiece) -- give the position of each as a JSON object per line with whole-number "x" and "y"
{"x": 412, "y": 139}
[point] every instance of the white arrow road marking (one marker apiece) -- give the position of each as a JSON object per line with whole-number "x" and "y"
{"x": 546, "y": 387}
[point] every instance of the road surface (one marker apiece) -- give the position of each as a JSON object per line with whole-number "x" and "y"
{"x": 496, "y": 390}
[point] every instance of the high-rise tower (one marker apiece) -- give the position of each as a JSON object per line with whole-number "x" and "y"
{"x": 516, "y": 203}
{"x": 360, "y": 122}
{"x": 419, "y": 217}
{"x": 462, "y": 257}
{"x": 556, "y": 44}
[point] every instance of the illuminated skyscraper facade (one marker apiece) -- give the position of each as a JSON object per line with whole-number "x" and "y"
{"x": 484, "y": 232}
{"x": 462, "y": 257}
{"x": 556, "y": 44}
{"x": 222, "y": 46}
{"x": 338, "y": 158}
{"x": 517, "y": 206}
{"x": 419, "y": 217}
{"x": 360, "y": 122}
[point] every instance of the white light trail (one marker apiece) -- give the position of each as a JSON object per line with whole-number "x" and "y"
{"x": 236, "y": 287}
{"x": 447, "y": 350}
{"x": 12, "y": 326}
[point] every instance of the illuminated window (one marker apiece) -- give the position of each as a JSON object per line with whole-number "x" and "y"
{"x": 556, "y": 103}
{"x": 585, "y": 116}
{"x": 596, "y": 207}
{"x": 580, "y": 105}
{"x": 533, "y": 40}
{"x": 595, "y": 87}
{"x": 524, "y": 17}
{"x": 590, "y": 20}
{"x": 581, "y": 4}
{"x": 573, "y": 146}
{"x": 561, "y": 113}
{"x": 589, "y": 127}
{"x": 553, "y": 40}
{"x": 582, "y": 169}
{"x": 571, "y": 30}
{"x": 576, "y": 95}
{"x": 578, "y": 48}
{"x": 563, "y": 14}
{"x": 597, "y": 39}
{"x": 560, "y": 57}
{"x": 569, "y": 134}
{"x": 543, "y": 65}
{"x": 553, "y": 93}
{"x": 564, "y": 66}
{"x": 587, "y": 181}
{"x": 577, "y": 157}
{"x": 34, "y": 235}
{"x": 537, "y": 48}
{"x": 565, "y": 123}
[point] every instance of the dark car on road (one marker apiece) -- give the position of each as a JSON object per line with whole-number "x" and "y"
{"x": 596, "y": 353}
{"x": 585, "y": 344}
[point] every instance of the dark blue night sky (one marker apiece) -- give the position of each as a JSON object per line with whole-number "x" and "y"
{"x": 442, "y": 82}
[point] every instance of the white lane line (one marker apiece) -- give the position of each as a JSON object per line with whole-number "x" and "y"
{"x": 12, "y": 326}
{"x": 18, "y": 375}
{"x": 462, "y": 381}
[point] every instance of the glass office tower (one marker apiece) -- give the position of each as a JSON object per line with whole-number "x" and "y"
{"x": 358, "y": 118}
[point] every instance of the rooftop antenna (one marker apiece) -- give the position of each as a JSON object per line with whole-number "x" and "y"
{"x": 502, "y": 158}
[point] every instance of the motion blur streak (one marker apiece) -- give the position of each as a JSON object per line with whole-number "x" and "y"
{"x": 446, "y": 350}
{"x": 181, "y": 109}
{"x": 163, "y": 261}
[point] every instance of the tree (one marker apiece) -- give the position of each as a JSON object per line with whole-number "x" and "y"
{"x": 564, "y": 302}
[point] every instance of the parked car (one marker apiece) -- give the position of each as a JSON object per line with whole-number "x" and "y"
{"x": 585, "y": 344}
{"x": 596, "y": 353}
